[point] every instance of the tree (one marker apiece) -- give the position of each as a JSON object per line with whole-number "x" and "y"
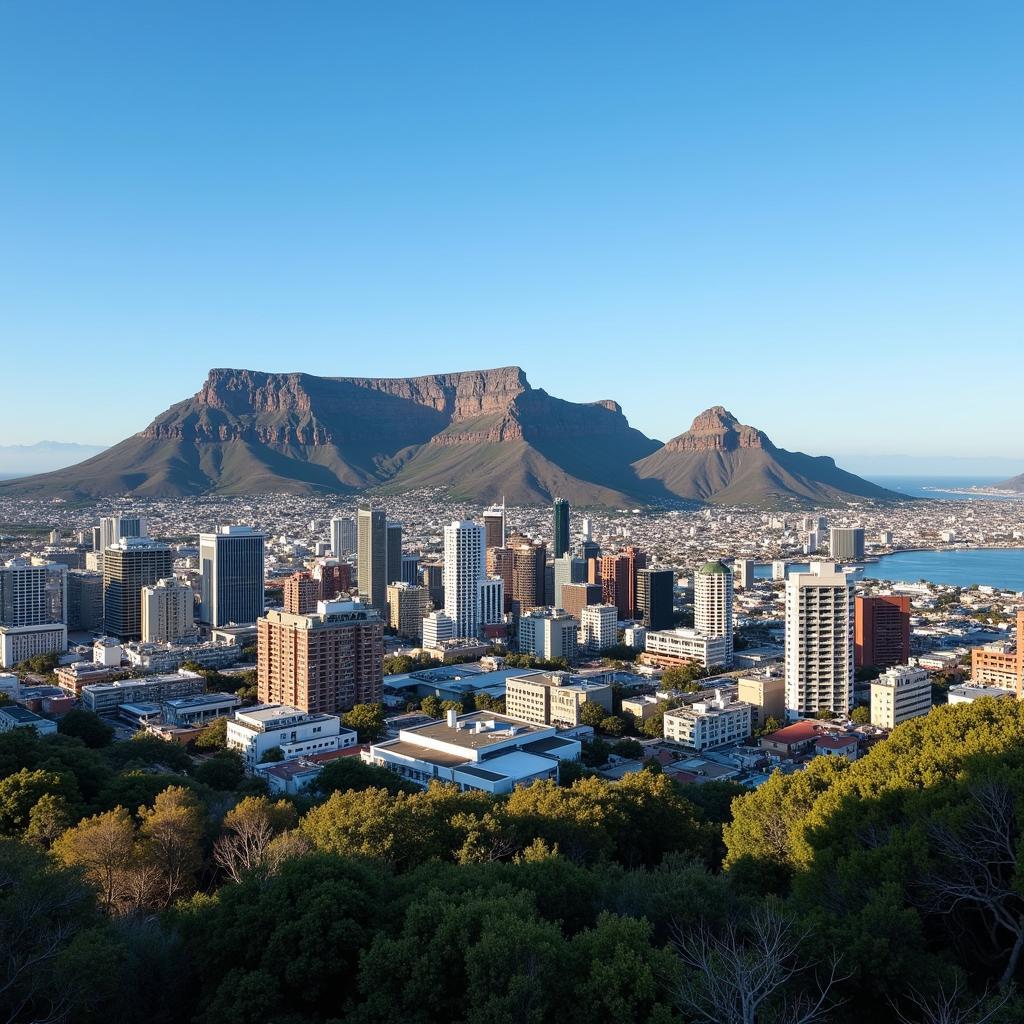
{"x": 248, "y": 832}
{"x": 431, "y": 706}
{"x": 682, "y": 677}
{"x": 50, "y": 817}
{"x": 347, "y": 773}
{"x": 592, "y": 714}
{"x": 214, "y": 736}
{"x": 860, "y": 715}
{"x": 594, "y": 753}
{"x": 103, "y": 847}
{"x": 89, "y": 728}
{"x": 735, "y": 974}
{"x": 272, "y": 755}
{"x": 611, "y": 726}
{"x": 20, "y": 792}
{"x": 367, "y": 720}
{"x": 171, "y": 832}
{"x": 628, "y": 748}
{"x": 224, "y": 771}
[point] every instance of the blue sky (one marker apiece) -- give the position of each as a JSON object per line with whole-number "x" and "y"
{"x": 811, "y": 213}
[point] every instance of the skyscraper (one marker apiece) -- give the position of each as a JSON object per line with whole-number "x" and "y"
{"x": 743, "y": 573}
{"x": 372, "y": 544}
{"x": 407, "y": 606}
{"x": 321, "y": 663}
{"x": 599, "y": 627}
{"x": 168, "y": 608}
{"x": 494, "y": 526}
{"x": 560, "y": 527}
{"x": 846, "y": 543}
{"x": 712, "y": 604}
{"x": 343, "y": 536}
{"x": 394, "y": 543}
{"x": 528, "y": 573}
{"x": 655, "y": 589}
{"x": 881, "y": 631}
{"x": 301, "y": 594}
{"x": 568, "y": 570}
{"x": 819, "y": 641}
{"x": 113, "y": 528}
{"x": 231, "y": 568}
{"x": 128, "y": 566}
{"x": 576, "y": 597}
{"x": 463, "y": 574}
{"x": 85, "y": 600}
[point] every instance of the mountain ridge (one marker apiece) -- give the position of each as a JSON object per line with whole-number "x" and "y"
{"x": 477, "y": 434}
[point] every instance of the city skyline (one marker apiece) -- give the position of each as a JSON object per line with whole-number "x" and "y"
{"x": 750, "y": 204}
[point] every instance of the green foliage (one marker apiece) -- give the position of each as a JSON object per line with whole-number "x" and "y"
{"x": 37, "y": 664}
{"x": 272, "y": 755}
{"x": 89, "y": 728}
{"x": 592, "y": 713}
{"x": 594, "y": 753}
{"x": 431, "y": 706}
{"x": 214, "y": 735}
{"x": 628, "y": 748}
{"x": 861, "y": 715}
{"x": 367, "y": 720}
{"x": 683, "y": 677}
{"x": 347, "y": 773}
{"x": 223, "y": 771}
{"x": 20, "y": 791}
{"x": 147, "y": 752}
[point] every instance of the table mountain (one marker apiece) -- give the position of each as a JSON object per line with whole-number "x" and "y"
{"x": 477, "y": 435}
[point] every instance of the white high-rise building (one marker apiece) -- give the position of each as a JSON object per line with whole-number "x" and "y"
{"x": 712, "y": 604}
{"x": 599, "y": 627}
{"x": 343, "y": 536}
{"x": 464, "y": 560}
{"x": 113, "y": 528}
{"x": 33, "y": 610}
{"x": 492, "y": 600}
{"x": 743, "y": 573}
{"x": 437, "y": 627}
{"x": 899, "y": 693}
{"x": 819, "y": 641}
{"x": 167, "y": 611}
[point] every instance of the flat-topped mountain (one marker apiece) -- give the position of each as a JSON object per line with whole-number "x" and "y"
{"x": 477, "y": 434}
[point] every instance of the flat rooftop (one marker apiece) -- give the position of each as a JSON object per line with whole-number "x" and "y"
{"x": 475, "y": 731}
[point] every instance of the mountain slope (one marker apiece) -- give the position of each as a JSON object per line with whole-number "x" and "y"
{"x": 724, "y": 461}
{"x": 1015, "y": 483}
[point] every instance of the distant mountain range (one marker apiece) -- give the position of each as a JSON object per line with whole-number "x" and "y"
{"x": 23, "y": 459}
{"x": 478, "y": 435}
{"x": 1015, "y": 483}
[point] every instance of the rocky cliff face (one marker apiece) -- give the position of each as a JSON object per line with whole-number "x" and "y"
{"x": 717, "y": 430}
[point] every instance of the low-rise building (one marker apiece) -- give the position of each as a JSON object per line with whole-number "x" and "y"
{"x": 899, "y": 693}
{"x": 554, "y": 698}
{"x": 17, "y": 643}
{"x": 968, "y": 694}
{"x": 479, "y": 751}
{"x": 669, "y": 648}
{"x": 641, "y": 708}
{"x": 254, "y": 731}
{"x": 793, "y": 739}
{"x": 837, "y": 746}
{"x": 711, "y": 723}
{"x": 203, "y": 708}
{"x": 766, "y": 693}
{"x": 104, "y": 698}
{"x": 12, "y": 716}
{"x": 169, "y": 657}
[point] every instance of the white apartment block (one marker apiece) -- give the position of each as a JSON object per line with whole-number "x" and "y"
{"x": 437, "y": 629}
{"x": 899, "y": 693}
{"x": 20, "y": 642}
{"x": 256, "y": 730}
{"x": 669, "y": 647}
{"x": 711, "y": 723}
{"x": 599, "y": 627}
{"x": 819, "y": 641}
{"x": 167, "y": 611}
{"x": 464, "y": 559}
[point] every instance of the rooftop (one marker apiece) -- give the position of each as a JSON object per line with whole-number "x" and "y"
{"x": 475, "y": 731}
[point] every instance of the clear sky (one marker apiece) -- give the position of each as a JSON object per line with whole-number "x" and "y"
{"x": 812, "y": 213}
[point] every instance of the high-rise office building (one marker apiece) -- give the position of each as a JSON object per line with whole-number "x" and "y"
{"x": 128, "y": 566}
{"x": 113, "y": 528}
{"x": 492, "y": 600}
{"x": 712, "y": 604}
{"x": 500, "y": 564}
{"x": 635, "y": 561}
{"x": 85, "y": 600}
{"x": 301, "y": 594}
{"x": 494, "y": 526}
{"x": 655, "y": 589}
{"x": 343, "y": 536}
{"x": 332, "y": 577}
{"x": 743, "y": 573}
{"x": 231, "y": 568}
{"x": 432, "y": 577}
{"x": 394, "y": 546}
{"x": 168, "y": 611}
{"x": 599, "y": 627}
{"x": 463, "y": 574}
{"x": 881, "y": 635}
{"x": 411, "y": 569}
{"x": 846, "y": 543}
{"x": 576, "y": 597}
{"x": 613, "y": 573}
{"x": 372, "y": 555}
{"x": 819, "y": 641}
{"x": 568, "y": 569}
{"x": 326, "y": 662}
{"x": 529, "y": 561}
{"x": 408, "y": 605}
{"x": 560, "y": 527}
